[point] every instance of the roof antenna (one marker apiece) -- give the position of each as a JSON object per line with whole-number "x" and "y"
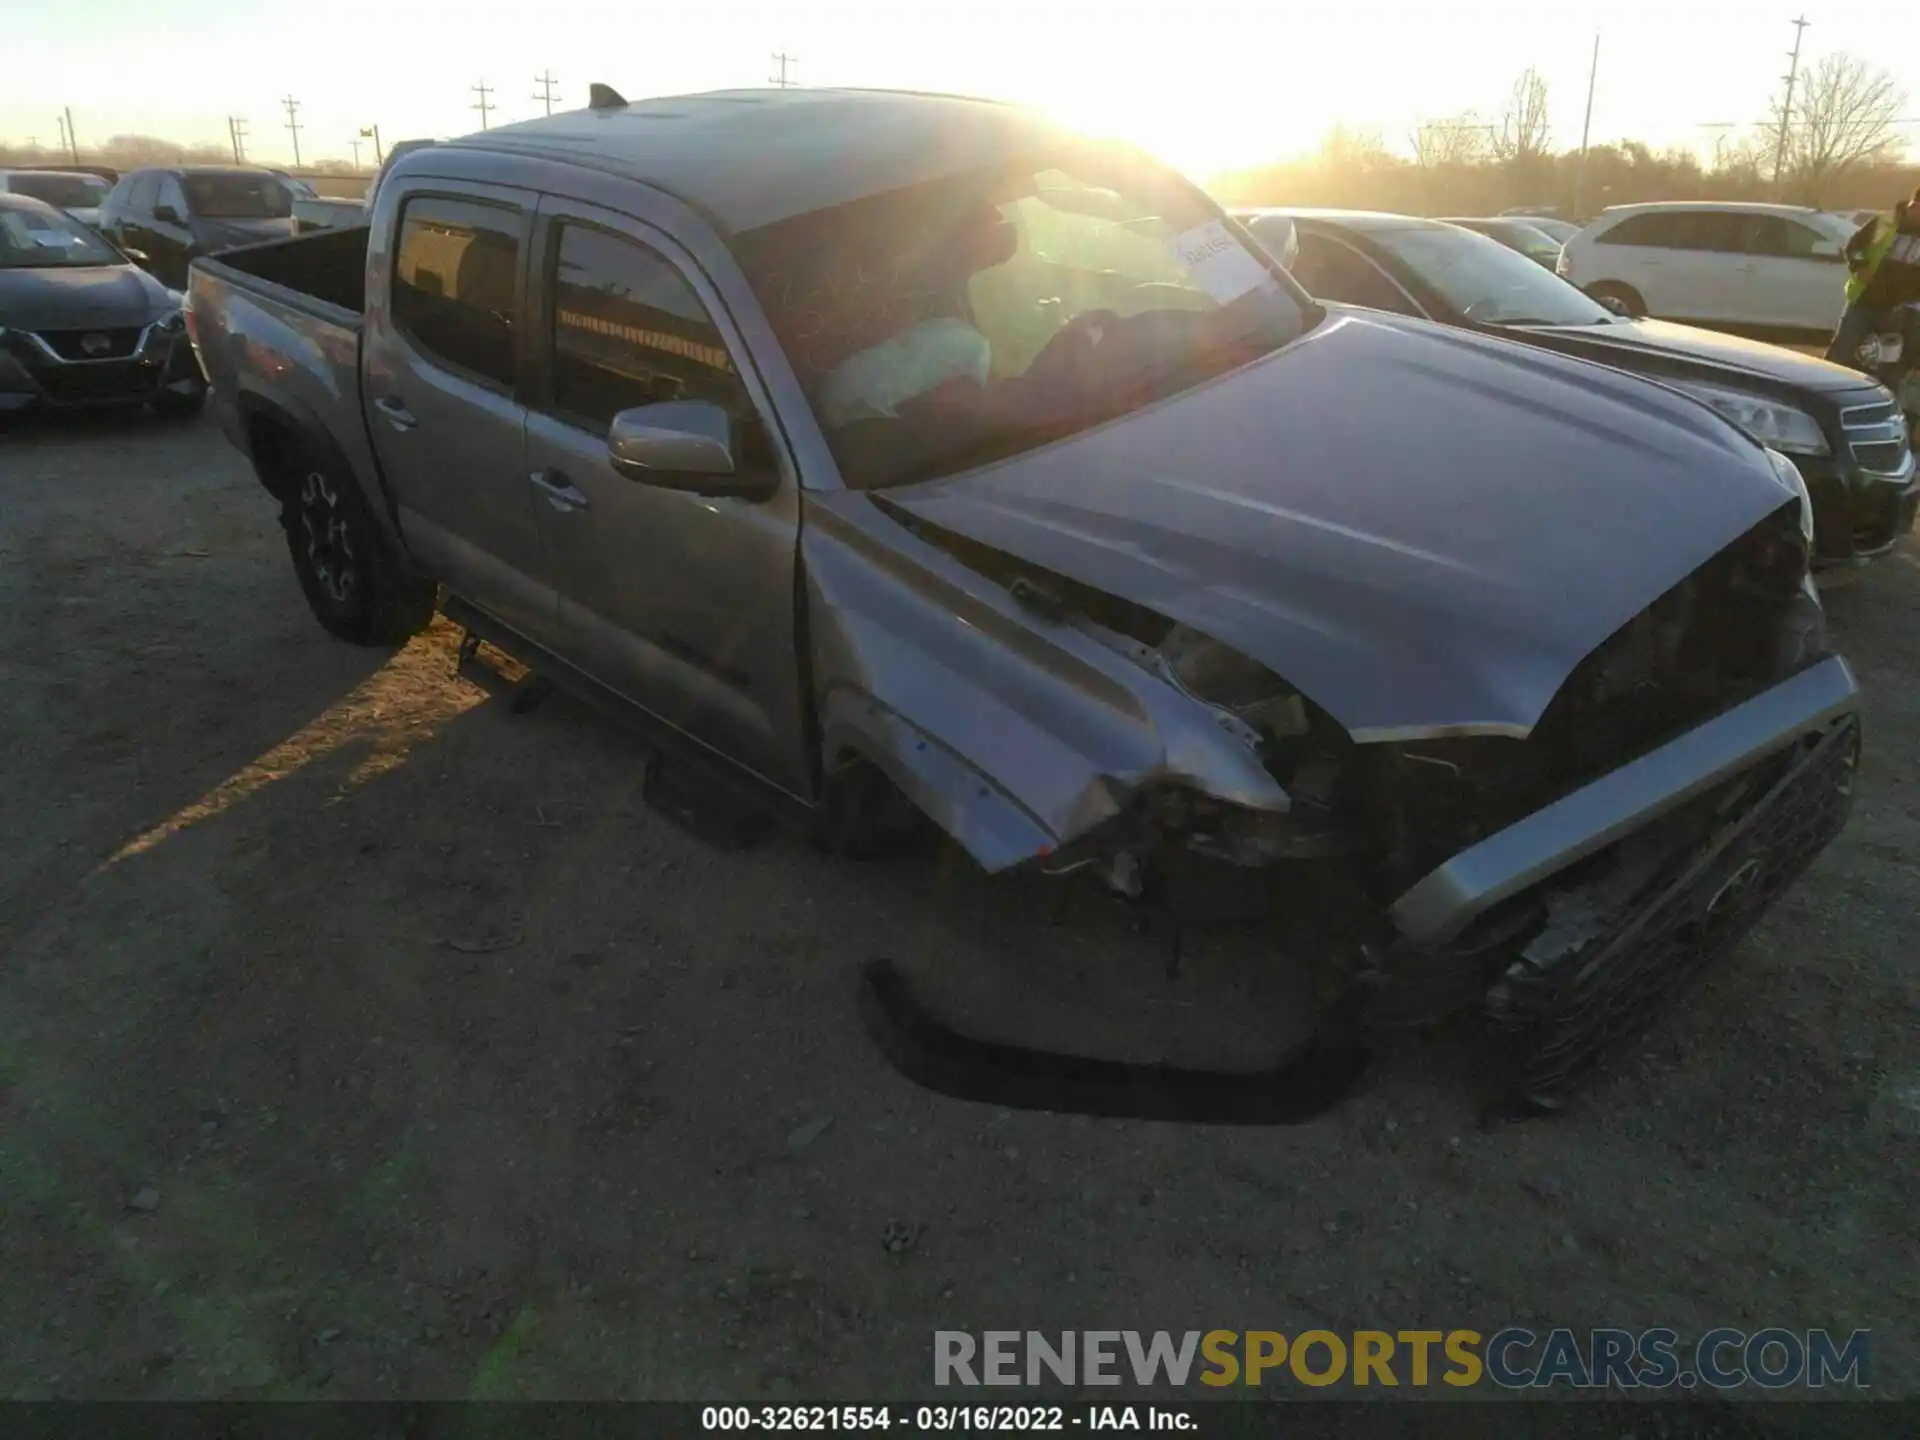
{"x": 605, "y": 97}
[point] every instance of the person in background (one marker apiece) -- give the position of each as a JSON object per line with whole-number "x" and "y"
{"x": 1884, "y": 258}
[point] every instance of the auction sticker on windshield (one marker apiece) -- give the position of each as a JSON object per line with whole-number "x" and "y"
{"x": 1221, "y": 264}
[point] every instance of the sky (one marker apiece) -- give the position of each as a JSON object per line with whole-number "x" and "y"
{"x": 1209, "y": 86}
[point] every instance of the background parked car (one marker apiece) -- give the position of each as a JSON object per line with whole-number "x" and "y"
{"x": 1765, "y": 269}
{"x": 1555, "y": 229}
{"x": 1525, "y": 237}
{"x": 79, "y": 194}
{"x": 80, "y": 325}
{"x": 1842, "y": 430}
{"x": 164, "y": 217}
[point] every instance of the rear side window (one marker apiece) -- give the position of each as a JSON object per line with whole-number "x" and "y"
{"x": 1658, "y": 228}
{"x": 628, "y": 330}
{"x": 455, "y": 275}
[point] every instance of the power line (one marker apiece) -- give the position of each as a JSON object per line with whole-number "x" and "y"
{"x": 482, "y": 90}
{"x": 783, "y": 60}
{"x": 1786, "y": 106}
{"x": 546, "y": 95}
{"x": 293, "y": 126}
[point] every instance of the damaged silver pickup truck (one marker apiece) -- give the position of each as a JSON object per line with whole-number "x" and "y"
{"x": 875, "y": 447}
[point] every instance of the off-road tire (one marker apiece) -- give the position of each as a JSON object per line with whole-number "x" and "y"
{"x": 357, "y": 584}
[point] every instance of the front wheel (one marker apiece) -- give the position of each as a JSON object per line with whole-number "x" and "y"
{"x": 356, "y": 583}
{"x": 1621, "y": 299}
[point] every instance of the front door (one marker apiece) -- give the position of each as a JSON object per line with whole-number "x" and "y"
{"x": 442, "y": 362}
{"x": 1795, "y": 286}
{"x": 682, "y": 603}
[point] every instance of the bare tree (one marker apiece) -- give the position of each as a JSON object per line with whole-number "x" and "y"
{"x": 1457, "y": 140}
{"x": 1522, "y": 133}
{"x": 1842, "y": 119}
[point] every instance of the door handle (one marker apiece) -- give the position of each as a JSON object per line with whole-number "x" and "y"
{"x": 559, "y": 491}
{"x": 397, "y": 415}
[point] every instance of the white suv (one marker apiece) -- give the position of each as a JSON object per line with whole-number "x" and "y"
{"x": 1768, "y": 267}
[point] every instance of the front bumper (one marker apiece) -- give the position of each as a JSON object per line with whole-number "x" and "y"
{"x": 1864, "y": 502}
{"x": 1576, "y": 921}
{"x": 38, "y": 372}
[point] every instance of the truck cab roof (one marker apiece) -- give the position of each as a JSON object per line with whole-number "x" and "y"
{"x": 747, "y": 158}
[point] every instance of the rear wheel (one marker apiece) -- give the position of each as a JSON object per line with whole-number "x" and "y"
{"x": 1624, "y": 298}
{"x": 356, "y": 582}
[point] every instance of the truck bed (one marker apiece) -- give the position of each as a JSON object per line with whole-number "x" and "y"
{"x": 328, "y": 265}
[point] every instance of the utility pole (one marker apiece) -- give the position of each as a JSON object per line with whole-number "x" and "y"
{"x": 73, "y": 145}
{"x": 1586, "y": 126}
{"x": 372, "y": 132}
{"x": 293, "y": 127}
{"x": 237, "y": 132}
{"x": 545, "y": 82}
{"x": 783, "y": 60}
{"x": 482, "y": 90}
{"x": 1786, "y": 106}
{"x": 355, "y": 143}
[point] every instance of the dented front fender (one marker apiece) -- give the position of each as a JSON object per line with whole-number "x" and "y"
{"x": 1013, "y": 732}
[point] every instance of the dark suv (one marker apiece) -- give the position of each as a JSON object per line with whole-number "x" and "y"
{"x": 165, "y": 216}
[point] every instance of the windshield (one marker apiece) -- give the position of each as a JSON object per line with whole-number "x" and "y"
{"x": 238, "y": 197}
{"x": 69, "y": 192}
{"x": 36, "y": 239}
{"x": 990, "y": 312}
{"x": 1487, "y": 282}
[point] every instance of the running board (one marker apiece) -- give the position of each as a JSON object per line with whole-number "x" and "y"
{"x": 1306, "y": 1083}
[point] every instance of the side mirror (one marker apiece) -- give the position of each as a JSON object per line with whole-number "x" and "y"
{"x": 685, "y": 445}
{"x": 167, "y": 214}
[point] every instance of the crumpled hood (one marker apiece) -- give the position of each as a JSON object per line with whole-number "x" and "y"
{"x": 61, "y": 297}
{"x": 1704, "y": 348}
{"x": 1420, "y": 528}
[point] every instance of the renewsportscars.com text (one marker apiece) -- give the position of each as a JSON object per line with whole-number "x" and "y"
{"x": 1512, "y": 1358}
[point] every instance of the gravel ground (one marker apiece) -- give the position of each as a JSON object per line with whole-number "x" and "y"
{"x": 359, "y": 1037}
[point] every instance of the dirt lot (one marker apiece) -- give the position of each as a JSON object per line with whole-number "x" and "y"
{"x": 360, "y": 1037}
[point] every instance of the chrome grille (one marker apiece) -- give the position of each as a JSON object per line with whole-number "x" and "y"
{"x": 1877, "y": 436}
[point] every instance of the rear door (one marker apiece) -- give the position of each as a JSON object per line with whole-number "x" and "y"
{"x": 1653, "y": 252}
{"x": 682, "y": 603}
{"x": 133, "y": 224}
{"x": 442, "y": 364}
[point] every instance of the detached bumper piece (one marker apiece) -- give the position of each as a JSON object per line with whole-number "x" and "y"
{"x": 1306, "y": 1083}
{"x": 1557, "y": 1020}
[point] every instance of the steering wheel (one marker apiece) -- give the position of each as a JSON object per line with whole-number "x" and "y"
{"x": 1071, "y": 344}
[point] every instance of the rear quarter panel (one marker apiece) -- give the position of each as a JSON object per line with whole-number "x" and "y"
{"x": 273, "y": 354}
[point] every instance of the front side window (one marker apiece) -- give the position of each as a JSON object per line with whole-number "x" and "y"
{"x": 1329, "y": 270}
{"x": 1487, "y": 282}
{"x": 455, "y": 274}
{"x": 171, "y": 195}
{"x": 629, "y": 330}
{"x": 238, "y": 197}
{"x": 995, "y": 310}
{"x": 144, "y": 193}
